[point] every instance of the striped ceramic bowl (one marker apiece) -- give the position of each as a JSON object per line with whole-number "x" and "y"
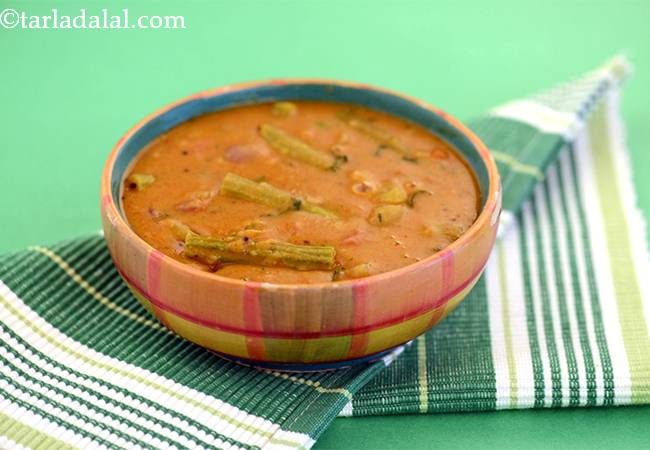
{"x": 300, "y": 326}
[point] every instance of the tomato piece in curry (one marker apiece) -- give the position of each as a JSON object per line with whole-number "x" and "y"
{"x": 299, "y": 192}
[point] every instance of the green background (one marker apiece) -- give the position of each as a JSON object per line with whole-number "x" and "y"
{"x": 66, "y": 96}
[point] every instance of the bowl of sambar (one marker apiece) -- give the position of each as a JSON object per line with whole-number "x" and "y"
{"x": 300, "y": 224}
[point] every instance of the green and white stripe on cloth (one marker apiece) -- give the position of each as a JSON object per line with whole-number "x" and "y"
{"x": 559, "y": 319}
{"x": 525, "y": 136}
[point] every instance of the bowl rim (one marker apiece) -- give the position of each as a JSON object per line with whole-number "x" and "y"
{"x": 489, "y": 212}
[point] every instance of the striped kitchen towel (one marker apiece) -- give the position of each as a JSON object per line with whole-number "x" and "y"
{"x": 559, "y": 319}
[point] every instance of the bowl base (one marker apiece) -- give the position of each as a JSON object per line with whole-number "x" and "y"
{"x": 304, "y": 367}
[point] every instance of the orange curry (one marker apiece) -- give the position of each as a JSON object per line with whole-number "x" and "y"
{"x": 299, "y": 192}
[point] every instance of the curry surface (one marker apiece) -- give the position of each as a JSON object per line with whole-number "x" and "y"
{"x": 186, "y": 166}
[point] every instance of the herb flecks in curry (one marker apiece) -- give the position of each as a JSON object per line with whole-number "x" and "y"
{"x": 299, "y": 192}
